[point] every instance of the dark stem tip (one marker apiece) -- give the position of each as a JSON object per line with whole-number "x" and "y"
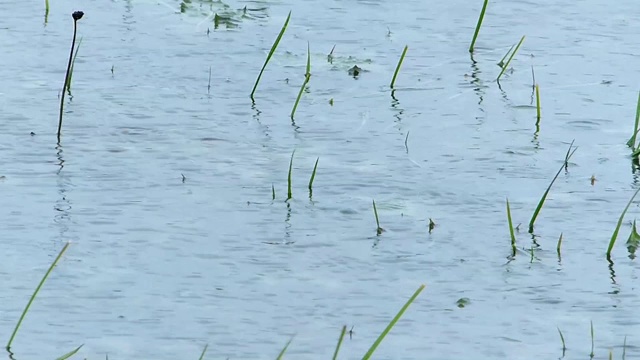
{"x": 77, "y": 15}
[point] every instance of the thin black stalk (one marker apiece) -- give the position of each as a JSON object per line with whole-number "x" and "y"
{"x": 76, "y": 16}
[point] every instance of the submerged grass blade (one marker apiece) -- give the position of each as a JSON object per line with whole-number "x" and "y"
{"x": 344, "y": 331}
{"x": 632, "y": 142}
{"x": 313, "y": 176}
{"x": 273, "y": 50}
{"x": 513, "y": 235}
{"x": 475, "y": 34}
{"x": 546, "y": 192}
{"x": 204, "y": 351}
{"x": 70, "y": 353}
{"x": 538, "y": 101}
{"x": 289, "y": 176}
{"x": 284, "y": 350}
{"x": 307, "y": 77}
{"x": 617, "y": 229}
{"x": 26, "y": 309}
{"x": 504, "y": 68}
{"x": 384, "y": 333}
{"x": 73, "y": 63}
{"x": 395, "y": 74}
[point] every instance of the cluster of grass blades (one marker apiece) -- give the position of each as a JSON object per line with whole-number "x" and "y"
{"x": 612, "y": 242}
{"x": 273, "y": 50}
{"x": 513, "y": 54}
{"x": 380, "y": 338}
{"x": 307, "y": 77}
{"x": 632, "y": 141}
{"x": 77, "y": 15}
{"x": 290, "y": 179}
{"x": 480, "y": 18}
{"x": 544, "y": 196}
{"x": 28, "y": 306}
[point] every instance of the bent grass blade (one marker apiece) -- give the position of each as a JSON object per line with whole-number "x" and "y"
{"x": 307, "y": 77}
{"x": 70, "y": 353}
{"x": 617, "y": 229}
{"x": 386, "y": 331}
{"x": 271, "y": 52}
{"x": 35, "y": 293}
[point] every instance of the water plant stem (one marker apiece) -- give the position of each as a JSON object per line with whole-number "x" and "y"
{"x": 70, "y": 353}
{"x": 544, "y": 196}
{"x": 342, "y": 333}
{"x": 538, "y": 102}
{"x": 617, "y": 229}
{"x": 284, "y": 350}
{"x": 395, "y": 74}
{"x": 273, "y": 50}
{"x": 475, "y": 34}
{"x": 632, "y": 142}
{"x": 77, "y": 15}
{"x": 73, "y": 63}
{"x": 35, "y": 293}
{"x": 313, "y": 176}
{"x": 511, "y": 232}
{"x": 289, "y": 176}
{"x": 204, "y": 351}
{"x": 504, "y": 68}
{"x": 384, "y": 333}
{"x": 379, "y": 230}
{"x": 307, "y": 77}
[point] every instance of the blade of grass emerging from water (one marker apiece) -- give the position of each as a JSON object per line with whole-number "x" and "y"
{"x": 307, "y": 77}
{"x": 289, "y": 176}
{"x": 273, "y": 50}
{"x": 204, "y": 351}
{"x": 379, "y": 230}
{"x": 273, "y": 192}
{"x": 46, "y": 11}
{"x": 284, "y": 350}
{"x": 344, "y": 331}
{"x": 395, "y": 74}
{"x": 73, "y": 63}
{"x": 617, "y": 229}
{"x": 544, "y": 196}
{"x": 375, "y": 345}
{"x": 26, "y": 309}
{"x": 632, "y": 142}
{"x": 313, "y": 176}
{"x": 564, "y": 347}
{"x": 475, "y": 34}
{"x": 559, "y": 245}
{"x": 592, "y": 341}
{"x": 513, "y": 235}
{"x": 538, "y": 102}
{"x": 501, "y": 63}
{"x": 504, "y": 68}
{"x": 633, "y": 241}
{"x": 70, "y": 353}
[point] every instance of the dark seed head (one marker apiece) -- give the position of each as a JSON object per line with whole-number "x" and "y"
{"x": 77, "y": 15}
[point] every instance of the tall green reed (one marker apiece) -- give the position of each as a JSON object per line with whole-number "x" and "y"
{"x": 340, "y": 339}
{"x": 35, "y": 293}
{"x": 307, "y": 77}
{"x": 617, "y": 229}
{"x": 386, "y": 331}
{"x": 538, "y": 102}
{"x": 273, "y": 50}
{"x": 289, "y": 176}
{"x": 395, "y": 73}
{"x": 77, "y": 15}
{"x": 478, "y": 25}
{"x": 504, "y": 68}
{"x": 511, "y": 232}
{"x": 544, "y": 196}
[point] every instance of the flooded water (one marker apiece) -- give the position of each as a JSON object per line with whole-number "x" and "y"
{"x": 165, "y": 188}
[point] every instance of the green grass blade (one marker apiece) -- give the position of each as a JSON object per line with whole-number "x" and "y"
{"x": 559, "y": 245}
{"x": 307, "y": 77}
{"x": 384, "y": 333}
{"x": 632, "y": 142}
{"x": 511, "y": 232}
{"x": 475, "y": 34}
{"x": 313, "y": 176}
{"x": 504, "y": 68}
{"x": 379, "y": 230}
{"x": 289, "y": 176}
{"x": 564, "y": 347}
{"x": 617, "y": 229}
{"x": 273, "y": 192}
{"x": 46, "y": 11}
{"x": 73, "y": 63}
{"x": 546, "y": 192}
{"x": 284, "y": 350}
{"x": 592, "y": 341}
{"x": 395, "y": 74}
{"x": 344, "y": 331}
{"x": 538, "y": 102}
{"x": 204, "y": 351}
{"x": 26, "y": 309}
{"x": 501, "y": 63}
{"x": 273, "y": 50}
{"x": 70, "y": 353}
